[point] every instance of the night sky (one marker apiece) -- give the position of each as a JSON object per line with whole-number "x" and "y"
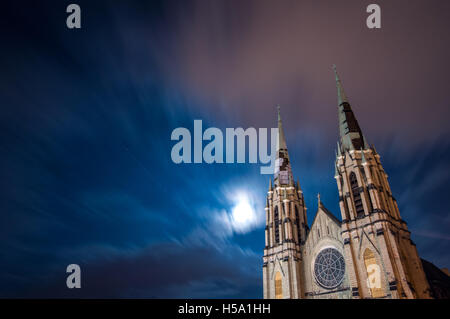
{"x": 86, "y": 175}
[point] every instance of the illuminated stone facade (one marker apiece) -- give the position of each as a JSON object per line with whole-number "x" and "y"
{"x": 369, "y": 254}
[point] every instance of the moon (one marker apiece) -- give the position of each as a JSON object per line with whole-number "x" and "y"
{"x": 243, "y": 215}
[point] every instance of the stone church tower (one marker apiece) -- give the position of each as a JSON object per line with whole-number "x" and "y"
{"x": 369, "y": 254}
{"x": 286, "y": 229}
{"x": 376, "y": 239}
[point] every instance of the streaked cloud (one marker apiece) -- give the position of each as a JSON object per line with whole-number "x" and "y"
{"x": 85, "y": 135}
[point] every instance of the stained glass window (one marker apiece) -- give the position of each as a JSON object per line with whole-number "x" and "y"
{"x": 329, "y": 268}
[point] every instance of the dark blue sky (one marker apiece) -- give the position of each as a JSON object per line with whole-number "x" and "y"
{"x": 86, "y": 118}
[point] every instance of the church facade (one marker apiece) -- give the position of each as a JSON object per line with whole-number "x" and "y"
{"x": 367, "y": 254}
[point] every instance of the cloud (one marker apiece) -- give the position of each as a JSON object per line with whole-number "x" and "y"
{"x": 432, "y": 234}
{"x": 167, "y": 270}
{"x": 86, "y": 170}
{"x": 420, "y": 180}
{"x": 238, "y": 209}
{"x": 240, "y": 59}
{"x": 245, "y": 212}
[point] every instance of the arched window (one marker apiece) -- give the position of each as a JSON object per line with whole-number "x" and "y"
{"x": 356, "y": 195}
{"x": 373, "y": 274}
{"x": 298, "y": 223}
{"x": 278, "y": 286}
{"x": 277, "y": 228}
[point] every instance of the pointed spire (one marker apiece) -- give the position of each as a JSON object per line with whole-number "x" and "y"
{"x": 366, "y": 145}
{"x": 351, "y": 137}
{"x": 318, "y": 200}
{"x": 374, "y": 150}
{"x": 281, "y": 141}
{"x": 270, "y": 184}
{"x": 340, "y": 89}
{"x": 363, "y": 158}
{"x": 336, "y": 170}
{"x": 348, "y": 142}
{"x": 283, "y": 171}
{"x": 338, "y": 150}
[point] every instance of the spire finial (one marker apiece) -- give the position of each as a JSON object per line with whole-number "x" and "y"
{"x": 341, "y": 94}
{"x": 366, "y": 145}
{"x": 374, "y": 150}
{"x": 336, "y": 170}
{"x": 363, "y": 158}
{"x": 281, "y": 139}
{"x": 318, "y": 198}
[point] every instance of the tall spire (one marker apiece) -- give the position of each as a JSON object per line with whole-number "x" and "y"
{"x": 351, "y": 137}
{"x": 340, "y": 89}
{"x": 283, "y": 171}
{"x": 281, "y": 141}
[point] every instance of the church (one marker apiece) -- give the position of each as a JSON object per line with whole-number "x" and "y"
{"x": 367, "y": 254}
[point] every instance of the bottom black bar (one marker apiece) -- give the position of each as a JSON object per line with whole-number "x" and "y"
{"x": 219, "y": 308}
